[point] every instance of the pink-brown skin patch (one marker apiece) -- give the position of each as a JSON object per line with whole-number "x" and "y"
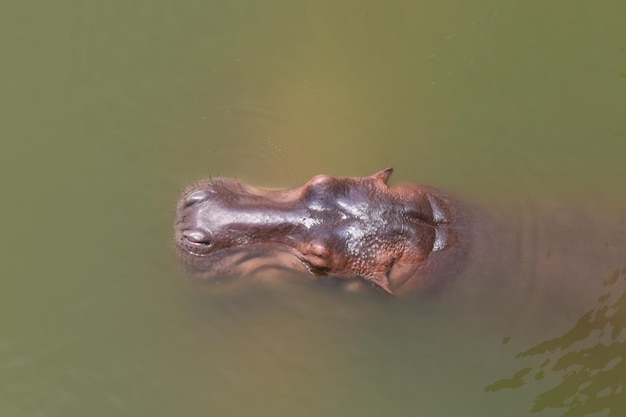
{"x": 396, "y": 239}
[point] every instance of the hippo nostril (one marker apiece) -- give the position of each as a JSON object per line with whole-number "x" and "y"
{"x": 197, "y": 236}
{"x": 196, "y": 197}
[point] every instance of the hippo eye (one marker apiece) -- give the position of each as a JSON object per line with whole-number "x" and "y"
{"x": 320, "y": 192}
{"x": 316, "y": 255}
{"x": 320, "y": 180}
{"x": 197, "y": 236}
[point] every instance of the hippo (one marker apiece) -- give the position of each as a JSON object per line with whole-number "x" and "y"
{"x": 361, "y": 232}
{"x": 358, "y": 229}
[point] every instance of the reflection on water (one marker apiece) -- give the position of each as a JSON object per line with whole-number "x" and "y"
{"x": 589, "y": 359}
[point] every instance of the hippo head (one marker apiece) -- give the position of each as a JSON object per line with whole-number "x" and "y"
{"x": 351, "y": 228}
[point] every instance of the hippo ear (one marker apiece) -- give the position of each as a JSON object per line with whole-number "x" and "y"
{"x": 381, "y": 281}
{"x": 383, "y": 175}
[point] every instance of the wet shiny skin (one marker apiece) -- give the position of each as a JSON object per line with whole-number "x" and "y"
{"x": 351, "y": 228}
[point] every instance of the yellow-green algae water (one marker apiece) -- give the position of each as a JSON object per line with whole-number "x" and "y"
{"x": 109, "y": 109}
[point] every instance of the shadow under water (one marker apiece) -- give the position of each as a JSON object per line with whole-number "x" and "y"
{"x": 588, "y": 360}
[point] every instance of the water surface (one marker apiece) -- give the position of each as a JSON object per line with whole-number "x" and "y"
{"x": 110, "y": 109}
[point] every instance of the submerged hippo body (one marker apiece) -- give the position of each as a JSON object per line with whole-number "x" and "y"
{"x": 398, "y": 239}
{"x": 357, "y": 229}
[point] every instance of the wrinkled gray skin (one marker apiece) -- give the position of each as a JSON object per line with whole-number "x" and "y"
{"x": 358, "y": 229}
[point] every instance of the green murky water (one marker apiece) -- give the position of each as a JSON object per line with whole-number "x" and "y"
{"x": 108, "y": 109}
